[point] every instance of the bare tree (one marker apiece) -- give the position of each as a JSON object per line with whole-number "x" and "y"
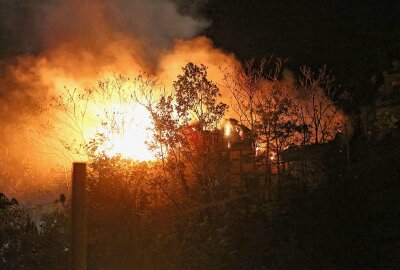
{"x": 263, "y": 104}
{"x": 317, "y": 107}
{"x": 277, "y": 126}
{"x": 246, "y": 88}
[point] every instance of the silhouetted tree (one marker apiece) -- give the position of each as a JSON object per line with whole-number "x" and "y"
{"x": 317, "y": 105}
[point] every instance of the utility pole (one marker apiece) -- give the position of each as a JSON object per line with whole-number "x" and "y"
{"x": 79, "y": 223}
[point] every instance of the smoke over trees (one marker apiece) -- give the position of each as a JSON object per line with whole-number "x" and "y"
{"x": 195, "y": 161}
{"x": 49, "y": 45}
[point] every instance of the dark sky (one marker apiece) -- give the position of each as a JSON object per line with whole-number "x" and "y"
{"x": 355, "y": 38}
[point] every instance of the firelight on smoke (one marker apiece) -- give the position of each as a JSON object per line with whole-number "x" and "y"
{"x": 79, "y": 44}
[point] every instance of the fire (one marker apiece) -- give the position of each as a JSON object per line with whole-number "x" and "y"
{"x": 104, "y": 119}
{"x": 79, "y": 41}
{"x": 228, "y": 129}
{"x": 128, "y": 133}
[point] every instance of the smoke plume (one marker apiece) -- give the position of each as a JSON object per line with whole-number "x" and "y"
{"x": 52, "y": 44}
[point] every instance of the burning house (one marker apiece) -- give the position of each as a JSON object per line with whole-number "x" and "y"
{"x": 237, "y": 148}
{"x": 234, "y": 143}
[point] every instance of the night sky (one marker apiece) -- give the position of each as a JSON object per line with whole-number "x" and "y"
{"x": 354, "y": 38}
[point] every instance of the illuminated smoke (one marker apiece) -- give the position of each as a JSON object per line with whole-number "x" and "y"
{"x": 55, "y": 44}
{"x": 74, "y": 43}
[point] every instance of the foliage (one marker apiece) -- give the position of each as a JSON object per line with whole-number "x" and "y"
{"x": 186, "y": 136}
{"x": 196, "y": 98}
{"x": 29, "y": 245}
{"x": 185, "y": 211}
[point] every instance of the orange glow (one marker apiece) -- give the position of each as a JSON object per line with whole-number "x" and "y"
{"x": 81, "y": 45}
{"x": 129, "y": 138}
{"x": 228, "y": 129}
{"x": 106, "y": 119}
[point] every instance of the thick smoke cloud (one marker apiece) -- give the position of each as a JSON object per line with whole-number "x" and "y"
{"x": 46, "y": 45}
{"x": 43, "y": 39}
{"x": 32, "y": 26}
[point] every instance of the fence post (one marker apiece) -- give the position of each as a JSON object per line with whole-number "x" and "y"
{"x": 79, "y": 223}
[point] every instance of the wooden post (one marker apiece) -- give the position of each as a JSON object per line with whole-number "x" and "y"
{"x": 78, "y": 230}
